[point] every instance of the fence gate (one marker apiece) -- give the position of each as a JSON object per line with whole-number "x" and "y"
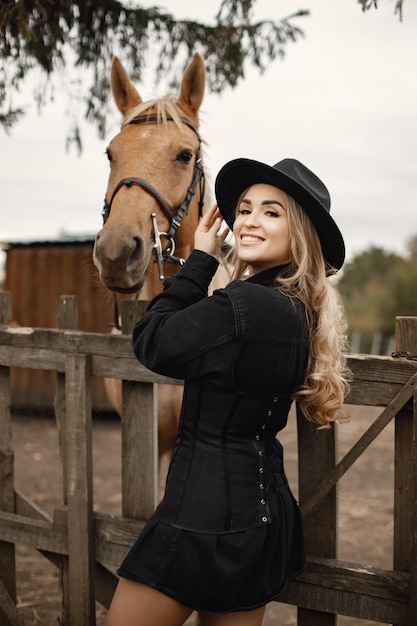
{"x": 86, "y": 545}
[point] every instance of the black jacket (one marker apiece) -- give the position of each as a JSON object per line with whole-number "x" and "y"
{"x": 242, "y": 353}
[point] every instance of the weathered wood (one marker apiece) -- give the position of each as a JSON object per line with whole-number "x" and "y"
{"x": 139, "y": 434}
{"x": 105, "y": 581}
{"x": 7, "y": 551}
{"x": 113, "y": 536}
{"x": 405, "y": 486}
{"x": 46, "y": 349}
{"x": 406, "y": 334}
{"x": 132, "y": 311}
{"x": 5, "y": 307}
{"x": 347, "y": 588}
{"x": 9, "y": 614}
{"x": 328, "y": 585}
{"x": 317, "y": 451}
{"x": 80, "y": 490}
{"x": 355, "y": 452}
{"x": 67, "y": 319}
{"x": 139, "y": 449}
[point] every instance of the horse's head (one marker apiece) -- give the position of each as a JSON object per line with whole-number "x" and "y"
{"x": 155, "y": 165}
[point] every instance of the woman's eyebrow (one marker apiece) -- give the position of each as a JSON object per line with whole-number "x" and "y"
{"x": 274, "y": 202}
{"x": 249, "y": 201}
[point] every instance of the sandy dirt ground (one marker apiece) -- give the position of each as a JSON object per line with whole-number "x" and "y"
{"x": 365, "y": 503}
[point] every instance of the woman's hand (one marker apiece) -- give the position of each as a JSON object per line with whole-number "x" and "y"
{"x": 208, "y": 237}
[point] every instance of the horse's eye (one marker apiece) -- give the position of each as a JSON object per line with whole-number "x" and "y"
{"x": 109, "y": 156}
{"x": 184, "y": 156}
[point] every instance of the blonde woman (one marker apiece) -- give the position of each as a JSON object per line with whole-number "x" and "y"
{"x": 227, "y": 536}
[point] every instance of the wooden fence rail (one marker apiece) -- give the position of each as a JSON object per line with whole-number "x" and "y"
{"x": 87, "y": 545}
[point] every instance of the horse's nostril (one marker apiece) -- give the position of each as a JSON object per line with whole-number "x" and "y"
{"x": 136, "y": 253}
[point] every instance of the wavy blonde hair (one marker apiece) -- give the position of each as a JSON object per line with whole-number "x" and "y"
{"x": 326, "y": 382}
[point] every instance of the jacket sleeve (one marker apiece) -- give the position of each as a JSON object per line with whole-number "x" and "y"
{"x": 184, "y": 333}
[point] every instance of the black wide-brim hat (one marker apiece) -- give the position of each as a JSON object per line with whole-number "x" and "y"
{"x": 297, "y": 181}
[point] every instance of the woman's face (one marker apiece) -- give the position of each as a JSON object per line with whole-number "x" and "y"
{"x": 261, "y": 228}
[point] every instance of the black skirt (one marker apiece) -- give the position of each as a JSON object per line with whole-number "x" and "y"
{"x": 221, "y": 573}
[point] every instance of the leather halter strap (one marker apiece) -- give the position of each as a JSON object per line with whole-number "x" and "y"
{"x": 198, "y": 178}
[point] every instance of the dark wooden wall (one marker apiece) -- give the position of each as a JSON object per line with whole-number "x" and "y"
{"x": 37, "y": 274}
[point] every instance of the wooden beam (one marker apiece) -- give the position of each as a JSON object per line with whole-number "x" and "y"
{"x": 316, "y": 458}
{"x": 405, "y": 476}
{"x": 7, "y": 551}
{"x": 396, "y": 404}
{"x": 79, "y": 490}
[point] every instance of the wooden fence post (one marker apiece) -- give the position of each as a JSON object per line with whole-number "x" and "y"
{"x": 405, "y": 490}
{"x": 67, "y": 319}
{"x": 139, "y": 435}
{"x": 81, "y": 553}
{"x": 7, "y": 550}
{"x": 316, "y": 459}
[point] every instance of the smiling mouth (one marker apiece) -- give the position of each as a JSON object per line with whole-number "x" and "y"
{"x": 251, "y": 239}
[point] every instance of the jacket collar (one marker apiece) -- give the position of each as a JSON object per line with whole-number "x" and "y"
{"x": 267, "y": 277}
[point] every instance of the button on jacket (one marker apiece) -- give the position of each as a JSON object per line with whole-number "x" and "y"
{"x": 242, "y": 353}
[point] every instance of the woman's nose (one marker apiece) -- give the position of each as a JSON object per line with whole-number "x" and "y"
{"x": 251, "y": 220}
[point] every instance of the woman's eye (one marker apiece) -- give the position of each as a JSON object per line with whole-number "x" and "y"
{"x": 184, "y": 156}
{"x": 243, "y": 212}
{"x": 272, "y": 213}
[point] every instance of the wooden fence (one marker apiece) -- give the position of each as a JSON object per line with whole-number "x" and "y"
{"x": 85, "y": 546}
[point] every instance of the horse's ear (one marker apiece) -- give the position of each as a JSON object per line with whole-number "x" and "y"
{"x": 124, "y": 92}
{"x": 192, "y": 85}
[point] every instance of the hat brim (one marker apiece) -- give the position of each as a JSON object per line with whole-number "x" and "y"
{"x": 239, "y": 174}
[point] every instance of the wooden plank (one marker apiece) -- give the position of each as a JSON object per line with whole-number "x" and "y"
{"x": 7, "y": 551}
{"x": 139, "y": 450}
{"x": 139, "y": 434}
{"x": 379, "y": 369}
{"x": 360, "y": 446}
{"x": 405, "y": 476}
{"x": 80, "y": 490}
{"x": 316, "y": 458}
{"x": 367, "y": 368}
{"x": 67, "y": 319}
{"x": 105, "y": 581}
{"x": 132, "y": 311}
{"x": 372, "y": 373}
{"x": 113, "y": 535}
{"x": 349, "y": 589}
{"x": 9, "y": 614}
{"x": 5, "y": 308}
{"x": 311, "y": 598}
{"x": 110, "y": 366}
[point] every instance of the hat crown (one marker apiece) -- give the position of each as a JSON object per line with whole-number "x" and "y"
{"x": 303, "y": 176}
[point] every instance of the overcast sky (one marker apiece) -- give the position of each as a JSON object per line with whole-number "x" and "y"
{"x": 343, "y": 101}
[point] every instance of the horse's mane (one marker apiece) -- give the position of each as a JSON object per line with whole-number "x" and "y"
{"x": 165, "y": 108}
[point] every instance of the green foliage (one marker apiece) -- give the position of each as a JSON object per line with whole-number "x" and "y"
{"x": 376, "y": 286}
{"x": 59, "y": 35}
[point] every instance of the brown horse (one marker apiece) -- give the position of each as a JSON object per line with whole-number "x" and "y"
{"x": 153, "y": 203}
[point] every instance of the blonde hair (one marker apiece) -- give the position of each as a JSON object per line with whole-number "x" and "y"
{"x": 326, "y": 381}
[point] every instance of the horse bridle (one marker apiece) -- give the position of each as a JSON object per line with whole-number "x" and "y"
{"x": 174, "y": 217}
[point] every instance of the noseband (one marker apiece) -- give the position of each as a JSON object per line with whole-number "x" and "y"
{"x": 174, "y": 217}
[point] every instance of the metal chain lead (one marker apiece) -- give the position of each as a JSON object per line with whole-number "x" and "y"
{"x": 404, "y": 354}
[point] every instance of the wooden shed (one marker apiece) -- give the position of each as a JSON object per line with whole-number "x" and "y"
{"x": 37, "y": 273}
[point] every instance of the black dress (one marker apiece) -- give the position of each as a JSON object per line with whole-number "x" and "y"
{"x": 227, "y": 536}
